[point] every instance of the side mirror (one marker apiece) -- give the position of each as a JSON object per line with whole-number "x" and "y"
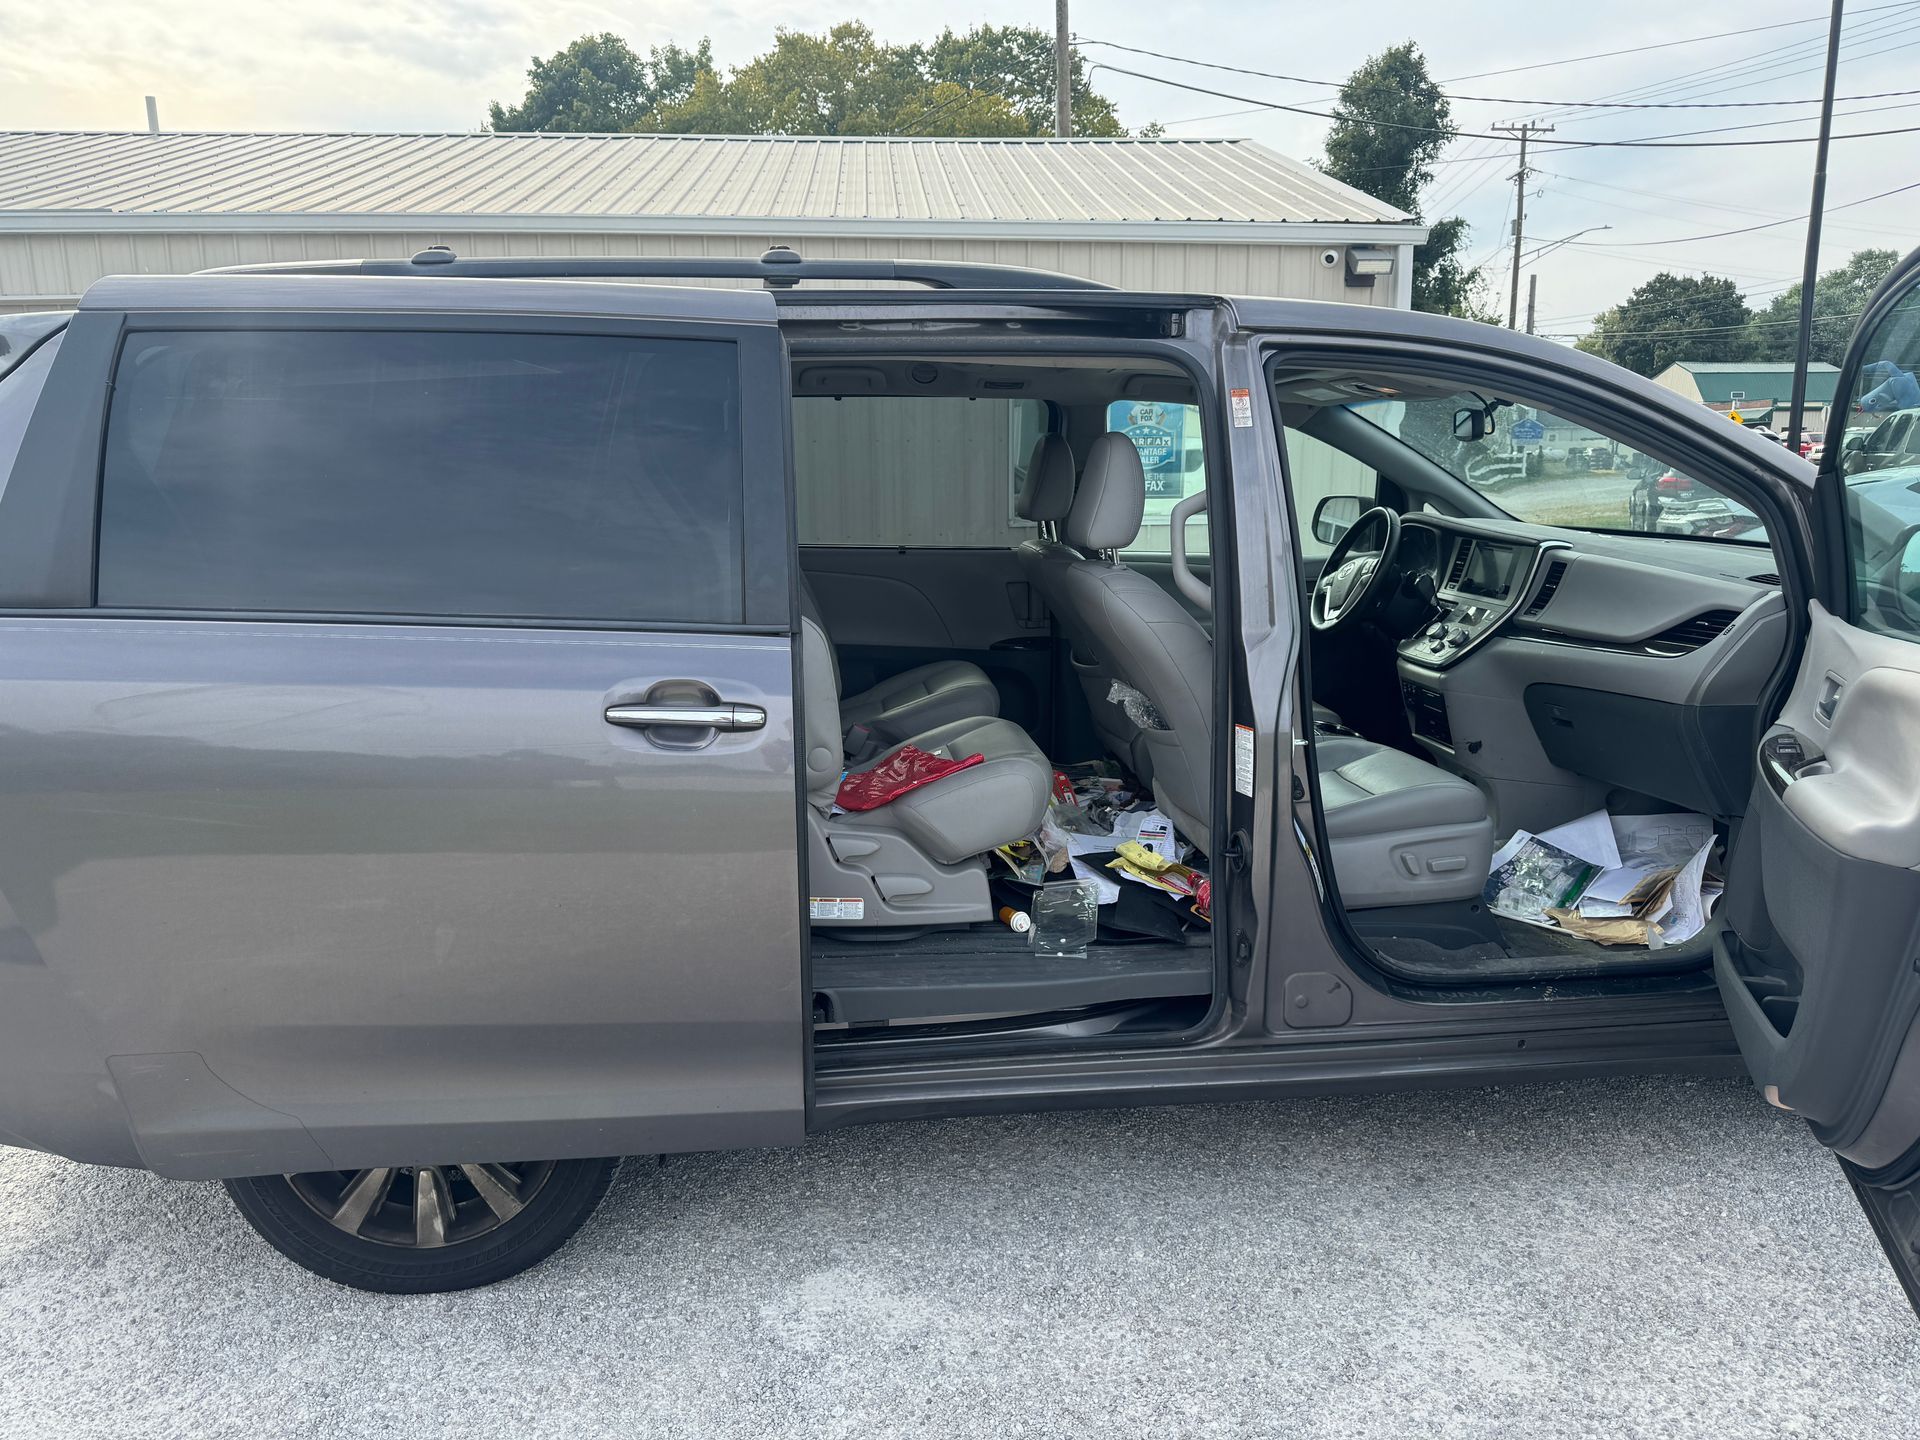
{"x": 1334, "y": 516}
{"x": 1192, "y": 460}
{"x": 1471, "y": 425}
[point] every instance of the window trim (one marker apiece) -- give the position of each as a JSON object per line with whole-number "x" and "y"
{"x": 59, "y": 513}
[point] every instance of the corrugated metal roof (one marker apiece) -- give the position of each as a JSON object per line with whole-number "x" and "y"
{"x": 875, "y": 181}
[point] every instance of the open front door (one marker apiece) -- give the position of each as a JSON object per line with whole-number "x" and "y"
{"x": 1821, "y": 964}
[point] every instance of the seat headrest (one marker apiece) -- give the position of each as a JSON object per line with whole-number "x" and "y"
{"x": 1112, "y": 496}
{"x": 1048, "y": 493}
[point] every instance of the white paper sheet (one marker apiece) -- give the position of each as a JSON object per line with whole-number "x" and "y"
{"x": 1667, "y": 841}
{"x": 1590, "y": 837}
{"x": 1688, "y": 916}
{"x": 1104, "y": 882}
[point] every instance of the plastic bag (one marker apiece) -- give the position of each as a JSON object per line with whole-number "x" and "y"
{"x": 908, "y": 768}
{"x": 1139, "y": 709}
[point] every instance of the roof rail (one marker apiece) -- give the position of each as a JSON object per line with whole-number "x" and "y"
{"x": 779, "y": 269}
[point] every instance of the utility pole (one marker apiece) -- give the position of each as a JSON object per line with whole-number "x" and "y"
{"x": 1062, "y": 73}
{"x": 1533, "y": 293}
{"x": 1810, "y": 270}
{"x": 1526, "y": 130}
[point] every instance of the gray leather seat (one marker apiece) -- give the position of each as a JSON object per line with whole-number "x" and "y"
{"x": 1124, "y": 627}
{"x": 915, "y": 700}
{"x": 1048, "y": 499}
{"x": 920, "y": 859}
{"x": 1402, "y": 831}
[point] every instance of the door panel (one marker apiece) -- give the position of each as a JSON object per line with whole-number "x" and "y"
{"x": 888, "y": 610}
{"x": 1820, "y": 965}
{"x": 1821, "y": 988}
{"x": 345, "y": 896}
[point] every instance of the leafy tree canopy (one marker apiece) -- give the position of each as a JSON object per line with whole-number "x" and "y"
{"x": 1394, "y": 120}
{"x": 599, "y": 85}
{"x": 992, "y": 80}
{"x": 1674, "y": 317}
{"x": 1838, "y": 298}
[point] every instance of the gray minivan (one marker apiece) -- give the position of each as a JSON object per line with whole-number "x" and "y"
{"x": 446, "y": 700}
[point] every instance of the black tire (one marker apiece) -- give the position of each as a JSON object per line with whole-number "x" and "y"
{"x": 291, "y": 1214}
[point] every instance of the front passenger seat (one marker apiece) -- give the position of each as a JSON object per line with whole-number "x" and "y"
{"x": 1141, "y": 635}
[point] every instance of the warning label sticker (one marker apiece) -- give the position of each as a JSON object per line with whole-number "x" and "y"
{"x": 1243, "y": 760}
{"x": 836, "y": 907}
{"x": 1242, "y": 403}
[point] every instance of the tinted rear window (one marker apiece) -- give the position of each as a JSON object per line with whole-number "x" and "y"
{"x": 454, "y": 474}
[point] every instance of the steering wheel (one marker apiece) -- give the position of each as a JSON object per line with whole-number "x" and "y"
{"x": 1357, "y": 571}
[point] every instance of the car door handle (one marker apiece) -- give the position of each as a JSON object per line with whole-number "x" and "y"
{"x": 702, "y": 717}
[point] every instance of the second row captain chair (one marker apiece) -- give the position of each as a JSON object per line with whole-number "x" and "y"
{"x": 920, "y": 859}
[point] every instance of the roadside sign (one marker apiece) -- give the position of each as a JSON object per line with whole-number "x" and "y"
{"x": 1734, "y": 415}
{"x": 1528, "y": 432}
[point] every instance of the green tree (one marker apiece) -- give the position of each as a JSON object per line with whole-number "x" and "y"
{"x": 992, "y": 80}
{"x": 1838, "y": 298}
{"x": 599, "y": 85}
{"x": 1015, "y": 63}
{"x": 1393, "y": 121}
{"x": 1674, "y": 317}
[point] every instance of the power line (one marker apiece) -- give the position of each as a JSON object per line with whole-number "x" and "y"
{"x": 1648, "y": 142}
{"x": 1750, "y": 229}
{"x": 1498, "y": 99}
{"x": 1665, "y": 45}
{"x": 1729, "y": 329}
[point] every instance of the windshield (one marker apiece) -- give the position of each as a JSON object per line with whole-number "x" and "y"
{"x": 1547, "y": 470}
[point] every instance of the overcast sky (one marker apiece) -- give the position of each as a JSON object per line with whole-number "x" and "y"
{"x": 373, "y": 65}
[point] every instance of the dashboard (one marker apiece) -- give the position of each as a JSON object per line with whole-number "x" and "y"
{"x": 1559, "y": 666}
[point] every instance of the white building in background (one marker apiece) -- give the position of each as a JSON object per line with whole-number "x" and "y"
{"x": 1209, "y": 216}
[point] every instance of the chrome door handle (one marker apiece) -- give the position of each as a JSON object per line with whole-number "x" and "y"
{"x": 699, "y": 717}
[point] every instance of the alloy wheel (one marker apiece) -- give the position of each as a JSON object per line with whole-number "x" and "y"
{"x": 421, "y": 1206}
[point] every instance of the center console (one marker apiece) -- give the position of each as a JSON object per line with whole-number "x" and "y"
{"x": 1480, "y": 583}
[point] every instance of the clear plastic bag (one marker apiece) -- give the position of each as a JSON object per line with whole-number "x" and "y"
{"x": 1065, "y": 916}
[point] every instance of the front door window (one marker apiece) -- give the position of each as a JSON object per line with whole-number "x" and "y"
{"x": 1880, "y": 463}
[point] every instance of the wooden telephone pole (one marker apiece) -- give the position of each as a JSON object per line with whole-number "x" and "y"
{"x": 1062, "y": 73}
{"x": 1526, "y": 130}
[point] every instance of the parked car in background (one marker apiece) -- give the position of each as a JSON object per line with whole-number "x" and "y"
{"x": 1894, "y": 441}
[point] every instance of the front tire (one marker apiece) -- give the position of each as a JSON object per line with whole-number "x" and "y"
{"x": 416, "y": 1229}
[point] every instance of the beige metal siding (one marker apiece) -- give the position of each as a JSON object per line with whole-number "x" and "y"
{"x": 54, "y": 268}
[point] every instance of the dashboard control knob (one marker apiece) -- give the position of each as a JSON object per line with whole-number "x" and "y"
{"x": 1457, "y": 636}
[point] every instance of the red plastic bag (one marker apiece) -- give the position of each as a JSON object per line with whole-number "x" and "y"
{"x": 908, "y": 768}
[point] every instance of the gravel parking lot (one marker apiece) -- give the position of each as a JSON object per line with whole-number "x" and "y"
{"x": 1656, "y": 1257}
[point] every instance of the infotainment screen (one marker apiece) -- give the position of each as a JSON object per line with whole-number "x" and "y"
{"x": 1489, "y": 570}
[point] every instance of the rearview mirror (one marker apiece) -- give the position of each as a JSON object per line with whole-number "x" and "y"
{"x": 1334, "y": 516}
{"x": 1471, "y": 425}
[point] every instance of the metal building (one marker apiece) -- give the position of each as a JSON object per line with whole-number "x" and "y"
{"x": 1225, "y": 216}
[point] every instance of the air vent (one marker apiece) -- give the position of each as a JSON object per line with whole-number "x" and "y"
{"x": 1769, "y": 578}
{"x": 1555, "y": 572}
{"x": 1690, "y": 635}
{"x": 1459, "y": 570}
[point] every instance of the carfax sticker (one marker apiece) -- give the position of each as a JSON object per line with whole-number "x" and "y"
{"x": 1242, "y": 403}
{"x": 836, "y": 907}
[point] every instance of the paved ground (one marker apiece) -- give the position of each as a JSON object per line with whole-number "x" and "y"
{"x": 1624, "y": 1258}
